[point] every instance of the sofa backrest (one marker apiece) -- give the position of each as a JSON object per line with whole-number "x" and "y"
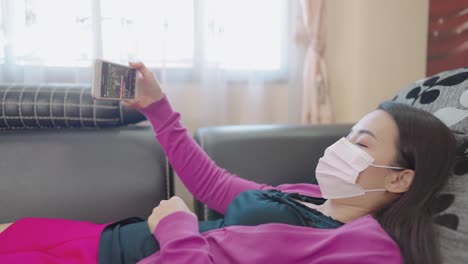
{"x": 272, "y": 154}
{"x": 97, "y": 175}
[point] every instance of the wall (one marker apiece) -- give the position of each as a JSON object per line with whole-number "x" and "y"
{"x": 374, "y": 48}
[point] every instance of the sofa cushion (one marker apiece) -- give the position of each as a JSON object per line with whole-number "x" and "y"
{"x": 446, "y": 96}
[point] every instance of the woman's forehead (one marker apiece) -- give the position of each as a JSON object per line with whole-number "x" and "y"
{"x": 379, "y": 123}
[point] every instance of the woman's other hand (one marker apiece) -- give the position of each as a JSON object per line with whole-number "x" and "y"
{"x": 165, "y": 208}
{"x": 149, "y": 90}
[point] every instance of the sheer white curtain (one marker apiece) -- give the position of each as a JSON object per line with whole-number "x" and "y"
{"x": 220, "y": 61}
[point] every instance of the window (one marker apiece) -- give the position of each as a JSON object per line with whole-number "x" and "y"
{"x": 159, "y": 31}
{"x": 236, "y": 36}
{"x": 49, "y": 32}
{"x": 243, "y": 34}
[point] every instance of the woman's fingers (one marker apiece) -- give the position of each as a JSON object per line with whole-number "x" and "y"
{"x": 140, "y": 66}
{"x": 130, "y": 103}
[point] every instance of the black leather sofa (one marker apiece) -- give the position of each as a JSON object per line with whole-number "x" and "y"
{"x": 97, "y": 175}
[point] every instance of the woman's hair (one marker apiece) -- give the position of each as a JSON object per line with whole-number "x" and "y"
{"x": 426, "y": 146}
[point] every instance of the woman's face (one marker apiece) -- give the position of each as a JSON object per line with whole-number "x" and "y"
{"x": 377, "y": 134}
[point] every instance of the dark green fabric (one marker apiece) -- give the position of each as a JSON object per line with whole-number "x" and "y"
{"x": 130, "y": 240}
{"x": 256, "y": 207}
{"x": 126, "y": 241}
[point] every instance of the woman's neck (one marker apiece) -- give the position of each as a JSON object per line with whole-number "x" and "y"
{"x": 343, "y": 212}
{"x": 347, "y": 209}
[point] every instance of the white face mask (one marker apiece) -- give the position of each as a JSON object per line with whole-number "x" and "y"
{"x": 338, "y": 169}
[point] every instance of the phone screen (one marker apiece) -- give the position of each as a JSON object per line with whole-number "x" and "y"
{"x": 117, "y": 81}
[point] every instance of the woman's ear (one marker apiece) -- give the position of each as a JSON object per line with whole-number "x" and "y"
{"x": 399, "y": 181}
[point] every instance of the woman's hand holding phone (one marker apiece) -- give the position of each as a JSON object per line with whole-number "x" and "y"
{"x": 149, "y": 90}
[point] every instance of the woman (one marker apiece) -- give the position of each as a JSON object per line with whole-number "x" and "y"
{"x": 379, "y": 184}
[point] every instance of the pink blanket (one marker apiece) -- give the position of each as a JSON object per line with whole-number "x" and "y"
{"x": 44, "y": 240}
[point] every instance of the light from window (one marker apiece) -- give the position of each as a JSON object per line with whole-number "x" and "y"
{"x": 233, "y": 35}
{"x": 160, "y": 32}
{"x": 51, "y": 32}
{"x": 245, "y": 34}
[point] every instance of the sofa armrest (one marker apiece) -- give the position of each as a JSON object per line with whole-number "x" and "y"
{"x": 272, "y": 154}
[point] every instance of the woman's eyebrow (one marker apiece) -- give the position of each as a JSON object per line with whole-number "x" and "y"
{"x": 365, "y": 131}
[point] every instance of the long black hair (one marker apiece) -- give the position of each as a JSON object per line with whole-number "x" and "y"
{"x": 426, "y": 146}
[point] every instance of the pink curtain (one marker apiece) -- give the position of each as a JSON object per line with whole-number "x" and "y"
{"x": 316, "y": 101}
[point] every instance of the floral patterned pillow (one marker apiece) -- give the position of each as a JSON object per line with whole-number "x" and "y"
{"x": 446, "y": 96}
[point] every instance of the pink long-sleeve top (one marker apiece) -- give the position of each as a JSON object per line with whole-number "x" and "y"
{"x": 360, "y": 241}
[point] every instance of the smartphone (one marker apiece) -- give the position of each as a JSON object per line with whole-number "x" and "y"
{"x": 113, "y": 81}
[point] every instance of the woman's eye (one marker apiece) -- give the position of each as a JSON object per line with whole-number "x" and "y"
{"x": 362, "y": 145}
